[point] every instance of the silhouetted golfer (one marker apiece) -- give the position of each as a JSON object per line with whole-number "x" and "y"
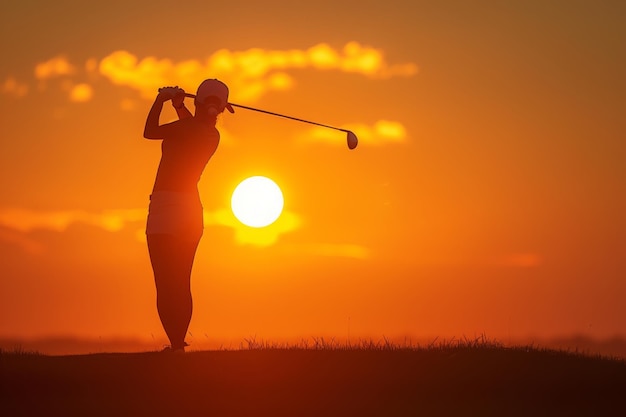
{"x": 175, "y": 224}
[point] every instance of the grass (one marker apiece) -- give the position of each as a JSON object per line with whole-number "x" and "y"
{"x": 319, "y": 377}
{"x": 321, "y": 343}
{"x": 18, "y": 351}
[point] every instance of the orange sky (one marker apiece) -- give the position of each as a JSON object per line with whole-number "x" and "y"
{"x": 486, "y": 195}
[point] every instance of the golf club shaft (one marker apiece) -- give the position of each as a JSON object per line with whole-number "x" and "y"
{"x": 277, "y": 114}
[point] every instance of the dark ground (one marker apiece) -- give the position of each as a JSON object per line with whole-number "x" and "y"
{"x": 464, "y": 381}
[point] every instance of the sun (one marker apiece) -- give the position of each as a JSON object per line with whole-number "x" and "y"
{"x": 257, "y": 201}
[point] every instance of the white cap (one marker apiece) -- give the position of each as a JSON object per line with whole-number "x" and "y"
{"x": 214, "y": 88}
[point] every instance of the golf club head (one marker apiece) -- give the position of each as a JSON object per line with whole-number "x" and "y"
{"x": 352, "y": 140}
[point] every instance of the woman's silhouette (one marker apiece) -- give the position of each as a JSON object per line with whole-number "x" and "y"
{"x": 175, "y": 224}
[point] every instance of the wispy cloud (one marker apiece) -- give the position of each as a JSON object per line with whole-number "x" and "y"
{"x": 54, "y": 67}
{"x": 250, "y": 73}
{"x": 27, "y": 220}
{"x": 245, "y": 235}
{"x": 13, "y": 221}
{"x": 288, "y": 222}
{"x": 15, "y": 224}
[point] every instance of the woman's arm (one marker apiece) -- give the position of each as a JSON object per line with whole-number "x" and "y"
{"x": 152, "y": 129}
{"x": 178, "y": 101}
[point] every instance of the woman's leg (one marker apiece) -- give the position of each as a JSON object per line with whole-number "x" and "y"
{"x": 172, "y": 261}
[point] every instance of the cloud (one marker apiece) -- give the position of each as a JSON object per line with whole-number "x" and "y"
{"x": 22, "y": 220}
{"x": 383, "y": 132}
{"x": 14, "y": 223}
{"x": 286, "y": 223}
{"x": 371, "y": 62}
{"x": 54, "y": 67}
{"x": 245, "y": 235}
{"x": 81, "y": 93}
{"x": 250, "y": 73}
{"x": 27, "y": 220}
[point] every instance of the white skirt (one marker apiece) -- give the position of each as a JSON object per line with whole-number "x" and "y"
{"x": 175, "y": 213}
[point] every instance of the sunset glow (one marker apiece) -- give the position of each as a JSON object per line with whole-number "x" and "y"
{"x": 486, "y": 195}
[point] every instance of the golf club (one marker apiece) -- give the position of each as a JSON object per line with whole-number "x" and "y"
{"x": 352, "y": 139}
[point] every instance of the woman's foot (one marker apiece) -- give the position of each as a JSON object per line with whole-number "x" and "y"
{"x": 175, "y": 349}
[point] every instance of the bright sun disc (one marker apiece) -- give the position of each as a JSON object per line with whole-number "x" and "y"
{"x": 257, "y": 201}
